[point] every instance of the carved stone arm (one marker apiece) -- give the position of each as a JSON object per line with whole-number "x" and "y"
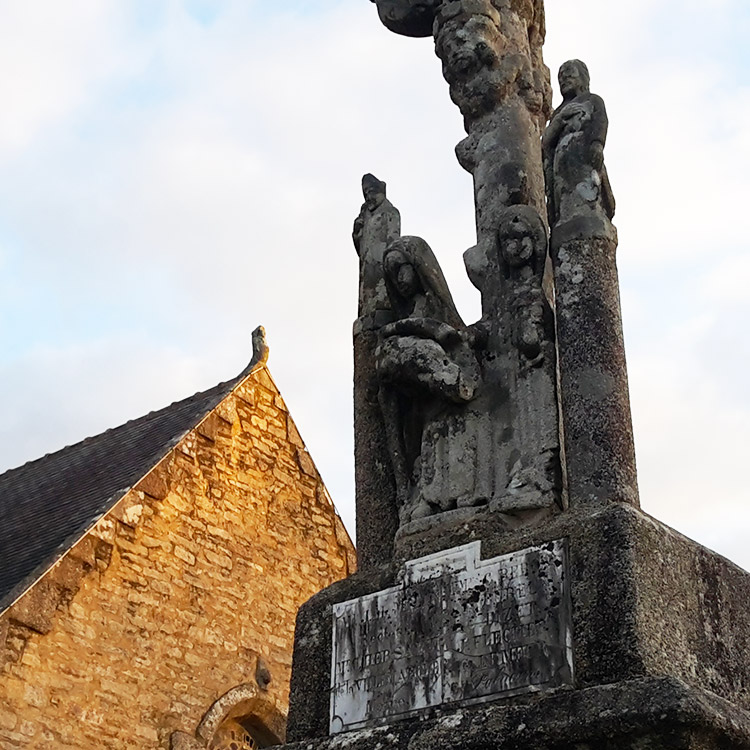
{"x": 550, "y": 137}
{"x": 427, "y": 328}
{"x": 358, "y": 229}
{"x": 599, "y": 124}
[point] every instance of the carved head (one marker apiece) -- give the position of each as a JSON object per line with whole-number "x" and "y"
{"x": 467, "y": 42}
{"x": 412, "y": 272}
{"x": 522, "y": 237}
{"x": 574, "y": 78}
{"x": 373, "y": 191}
{"x": 400, "y": 272}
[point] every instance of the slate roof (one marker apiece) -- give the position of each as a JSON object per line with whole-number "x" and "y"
{"x": 48, "y": 504}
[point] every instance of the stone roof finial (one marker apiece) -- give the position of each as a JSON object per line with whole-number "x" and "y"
{"x": 260, "y": 347}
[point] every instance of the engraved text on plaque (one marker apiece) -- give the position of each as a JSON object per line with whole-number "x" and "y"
{"x": 456, "y": 630}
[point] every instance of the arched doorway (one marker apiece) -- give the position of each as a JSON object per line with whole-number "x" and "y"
{"x": 242, "y": 733}
{"x": 244, "y": 718}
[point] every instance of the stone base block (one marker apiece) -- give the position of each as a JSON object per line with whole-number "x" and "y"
{"x": 645, "y": 714}
{"x": 655, "y": 616}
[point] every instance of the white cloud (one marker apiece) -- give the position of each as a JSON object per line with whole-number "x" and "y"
{"x": 52, "y": 55}
{"x": 677, "y": 139}
{"x": 167, "y": 190}
{"x": 729, "y": 281}
{"x": 57, "y": 395}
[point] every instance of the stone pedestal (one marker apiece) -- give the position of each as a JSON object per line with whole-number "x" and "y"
{"x": 642, "y": 714}
{"x": 487, "y": 612}
{"x": 377, "y": 513}
{"x": 597, "y": 427}
{"x": 660, "y": 644}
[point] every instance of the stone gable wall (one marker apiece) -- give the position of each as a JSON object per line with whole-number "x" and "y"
{"x": 186, "y": 590}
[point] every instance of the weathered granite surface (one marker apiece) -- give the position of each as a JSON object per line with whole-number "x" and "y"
{"x": 378, "y": 224}
{"x": 515, "y": 416}
{"x": 576, "y": 179}
{"x": 595, "y": 400}
{"x": 470, "y": 412}
{"x": 377, "y": 507}
{"x": 427, "y": 368}
{"x": 491, "y": 53}
{"x": 646, "y": 602}
{"x": 649, "y": 713}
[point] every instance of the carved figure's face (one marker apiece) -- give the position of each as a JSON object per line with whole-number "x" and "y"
{"x": 467, "y": 47}
{"x": 518, "y": 250}
{"x": 374, "y": 196}
{"x": 573, "y": 79}
{"x": 400, "y": 270}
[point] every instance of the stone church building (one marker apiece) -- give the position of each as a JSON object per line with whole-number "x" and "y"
{"x": 150, "y": 577}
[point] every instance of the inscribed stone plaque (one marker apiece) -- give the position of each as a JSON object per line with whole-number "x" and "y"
{"x": 457, "y": 630}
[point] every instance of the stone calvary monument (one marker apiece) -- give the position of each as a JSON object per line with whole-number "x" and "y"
{"x": 511, "y": 593}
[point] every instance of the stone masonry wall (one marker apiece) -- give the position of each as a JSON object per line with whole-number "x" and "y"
{"x": 186, "y": 590}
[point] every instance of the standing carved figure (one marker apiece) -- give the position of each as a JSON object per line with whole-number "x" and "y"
{"x": 535, "y": 476}
{"x": 599, "y": 449}
{"x": 515, "y": 413}
{"x": 377, "y": 225}
{"x": 577, "y": 184}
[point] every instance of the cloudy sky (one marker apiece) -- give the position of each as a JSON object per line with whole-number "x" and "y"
{"x": 175, "y": 172}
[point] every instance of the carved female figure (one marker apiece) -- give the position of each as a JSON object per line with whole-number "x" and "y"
{"x": 534, "y": 476}
{"x": 425, "y": 360}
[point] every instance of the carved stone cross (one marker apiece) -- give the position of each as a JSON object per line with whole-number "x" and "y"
{"x": 463, "y": 419}
{"x": 491, "y": 52}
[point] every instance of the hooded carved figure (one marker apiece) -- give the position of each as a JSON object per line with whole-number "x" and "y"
{"x": 415, "y": 283}
{"x": 425, "y": 359}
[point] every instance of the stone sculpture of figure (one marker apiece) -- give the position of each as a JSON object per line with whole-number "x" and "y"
{"x": 424, "y": 361}
{"x": 378, "y": 224}
{"x": 515, "y": 418}
{"x": 595, "y": 404}
{"x": 576, "y": 180}
{"x": 523, "y": 252}
{"x": 535, "y": 475}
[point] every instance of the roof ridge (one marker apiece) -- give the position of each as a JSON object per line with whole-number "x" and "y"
{"x": 154, "y": 412}
{"x": 62, "y": 494}
{"x": 259, "y": 356}
{"x": 50, "y": 502}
